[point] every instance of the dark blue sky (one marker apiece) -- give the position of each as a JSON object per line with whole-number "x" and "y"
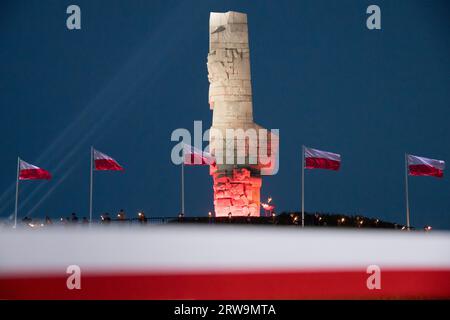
{"x": 137, "y": 70}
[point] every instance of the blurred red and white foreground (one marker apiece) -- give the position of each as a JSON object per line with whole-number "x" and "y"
{"x": 221, "y": 262}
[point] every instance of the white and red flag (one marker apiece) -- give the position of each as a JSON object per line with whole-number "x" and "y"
{"x": 338, "y": 264}
{"x": 194, "y": 156}
{"x": 420, "y": 166}
{"x": 28, "y": 171}
{"x": 318, "y": 159}
{"x": 104, "y": 162}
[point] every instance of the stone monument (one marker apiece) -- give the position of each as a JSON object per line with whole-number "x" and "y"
{"x": 237, "y": 183}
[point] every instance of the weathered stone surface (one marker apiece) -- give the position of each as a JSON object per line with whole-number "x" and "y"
{"x": 237, "y": 184}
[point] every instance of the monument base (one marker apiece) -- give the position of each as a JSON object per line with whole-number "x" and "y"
{"x": 236, "y": 191}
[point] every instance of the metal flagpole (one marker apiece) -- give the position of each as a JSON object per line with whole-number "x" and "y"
{"x": 91, "y": 185}
{"x": 303, "y": 186}
{"x": 17, "y": 192}
{"x": 407, "y": 192}
{"x": 182, "y": 186}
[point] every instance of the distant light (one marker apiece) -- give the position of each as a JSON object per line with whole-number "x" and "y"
{"x": 267, "y": 206}
{"x": 209, "y": 214}
{"x": 361, "y": 222}
{"x": 428, "y": 228}
{"x": 273, "y": 214}
{"x": 269, "y": 200}
{"x": 342, "y": 220}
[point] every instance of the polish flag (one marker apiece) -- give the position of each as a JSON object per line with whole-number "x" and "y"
{"x": 30, "y": 172}
{"x": 318, "y": 159}
{"x": 194, "y": 156}
{"x": 338, "y": 264}
{"x": 419, "y": 166}
{"x": 104, "y": 162}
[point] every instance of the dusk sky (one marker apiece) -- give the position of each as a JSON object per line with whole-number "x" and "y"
{"x": 136, "y": 71}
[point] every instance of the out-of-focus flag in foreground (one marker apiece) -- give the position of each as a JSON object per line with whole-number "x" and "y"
{"x": 28, "y": 171}
{"x": 318, "y": 159}
{"x": 420, "y": 166}
{"x": 104, "y": 162}
{"x": 194, "y": 156}
{"x": 134, "y": 263}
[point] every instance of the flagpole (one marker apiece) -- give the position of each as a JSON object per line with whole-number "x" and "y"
{"x": 407, "y": 192}
{"x": 182, "y": 186}
{"x": 91, "y": 185}
{"x": 17, "y": 192}
{"x": 303, "y": 186}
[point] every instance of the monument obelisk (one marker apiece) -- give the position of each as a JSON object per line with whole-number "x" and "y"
{"x": 237, "y": 184}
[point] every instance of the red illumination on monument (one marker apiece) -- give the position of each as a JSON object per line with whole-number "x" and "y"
{"x": 236, "y": 193}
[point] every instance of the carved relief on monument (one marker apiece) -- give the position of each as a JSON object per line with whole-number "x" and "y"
{"x": 237, "y": 184}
